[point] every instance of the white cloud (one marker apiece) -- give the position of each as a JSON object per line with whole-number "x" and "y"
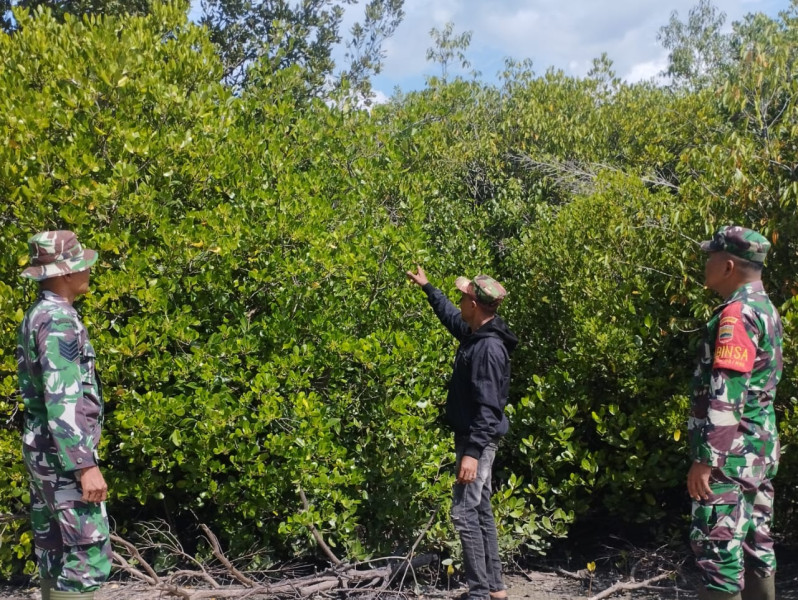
{"x": 379, "y": 97}
{"x": 645, "y": 71}
{"x": 566, "y": 34}
{"x": 511, "y": 31}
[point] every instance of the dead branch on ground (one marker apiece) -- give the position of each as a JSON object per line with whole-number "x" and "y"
{"x": 621, "y": 586}
{"x": 642, "y": 564}
{"x": 347, "y": 576}
{"x": 407, "y": 564}
{"x": 625, "y": 586}
{"x": 581, "y": 574}
{"x": 222, "y": 579}
{"x": 217, "y": 552}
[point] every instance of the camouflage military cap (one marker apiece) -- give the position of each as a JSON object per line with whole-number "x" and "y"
{"x": 482, "y": 288}
{"x": 56, "y": 253}
{"x": 739, "y": 241}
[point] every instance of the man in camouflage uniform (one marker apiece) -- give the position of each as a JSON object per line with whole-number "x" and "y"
{"x": 478, "y": 391}
{"x": 62, "y": 422}
{"x": 733, "y": 436}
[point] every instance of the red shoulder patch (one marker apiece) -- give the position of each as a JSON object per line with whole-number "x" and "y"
{"x": 734, "y": 350}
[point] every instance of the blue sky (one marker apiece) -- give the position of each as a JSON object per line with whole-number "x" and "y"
{"x": 565, "y": 34}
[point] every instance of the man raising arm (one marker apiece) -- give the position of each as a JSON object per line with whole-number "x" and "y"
{"x": 478, "y": 391}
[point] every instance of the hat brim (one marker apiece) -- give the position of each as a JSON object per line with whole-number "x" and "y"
{"x": 706, "y": 246}
{"x": 63, "y": 267}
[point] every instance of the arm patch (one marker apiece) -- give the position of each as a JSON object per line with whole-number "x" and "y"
{"x": 734, "y": 350}
{"x": 69, "y": 349}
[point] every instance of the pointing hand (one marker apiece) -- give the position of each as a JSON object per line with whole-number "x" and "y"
{"x": 419, "y": 278}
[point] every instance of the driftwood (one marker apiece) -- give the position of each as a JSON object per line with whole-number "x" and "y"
{"x": 624, "y": 586}
{"x": 581, "y": 574}
{"x": 344, "y": 576}
{"x": 621, "y": 586}
{"x": 225, "y": 580}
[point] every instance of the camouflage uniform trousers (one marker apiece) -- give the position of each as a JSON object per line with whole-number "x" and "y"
{"x": 71, "y": 536}
{"x": 731, "y": 530}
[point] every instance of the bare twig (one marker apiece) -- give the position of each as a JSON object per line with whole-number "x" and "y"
{"x": 344, "y": 577}
{"x": 9, "y": 517}
{"x": 661, "y": 227}
{"x": 134, "y": 553}
{"x": 623, "y": 586}
{"x": 217, "y": 552}
{"x": 176, "y": 591}
{"x": 581, "y": 574}
{"x": 13, "y": 415}
{"x": 424, "y": 532}
{"x": 317, "y": 536}
{"x": 203, "y": 575}
{"x": 409, "y": 558}
{"x": 173, "y": 546}
{"x": 131, "y": 570}
{"x": 580, "y": 177}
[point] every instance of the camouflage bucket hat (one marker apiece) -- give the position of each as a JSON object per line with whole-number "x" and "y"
{"x": 739, "y": 241}
{"x": 482, "y": 288}
{"x": 56, "y": 253}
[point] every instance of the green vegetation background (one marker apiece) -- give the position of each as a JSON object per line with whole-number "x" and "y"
{"x": 255, "y": 330}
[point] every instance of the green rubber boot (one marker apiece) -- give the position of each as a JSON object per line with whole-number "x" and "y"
{"x": 705, "y": 594}
{"x": 759, "y": 588}
{"x": 59, "y": 595}
{"x": 47, "y": 586}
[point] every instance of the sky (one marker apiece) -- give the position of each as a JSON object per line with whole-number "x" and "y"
{"x": 564, "y": 34}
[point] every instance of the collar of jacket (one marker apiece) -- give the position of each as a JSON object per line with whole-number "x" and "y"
{"x": 744, "y": 291}
{"x": 53, "y": 297}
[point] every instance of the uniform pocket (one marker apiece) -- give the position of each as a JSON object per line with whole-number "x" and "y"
{"x": 716, "y": 519}
{"x": 83, "y": 524}
{"x": 713, "y": 525}
{"x": 723, "y": 493}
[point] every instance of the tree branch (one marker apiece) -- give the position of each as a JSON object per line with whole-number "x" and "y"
{"x": 134, "y": 553}
{"x": 128, "y": 568}
{"x": 316, "y": 535}
{"x": 346, "y": 577}
{"x": 624, "y": 586}
{"x": 217, "y": 552}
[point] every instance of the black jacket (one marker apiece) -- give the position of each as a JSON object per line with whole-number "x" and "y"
{"x": 480, "y": 382}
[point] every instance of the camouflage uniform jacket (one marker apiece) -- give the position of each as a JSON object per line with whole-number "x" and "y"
{"x": 60, "y": 388}
{"x": 733, "y": 422}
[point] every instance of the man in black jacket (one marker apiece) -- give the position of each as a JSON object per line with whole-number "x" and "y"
{"x": 478, "y": 391}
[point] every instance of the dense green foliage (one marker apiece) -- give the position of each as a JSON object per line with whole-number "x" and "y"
{"x": 256, "y": 333}
{"x": 278, "y": 34}
{"x": 284, "y": 33}
{"x": 60, "y": 8}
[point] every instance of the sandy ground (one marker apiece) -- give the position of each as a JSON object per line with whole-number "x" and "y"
{"x": 530, "y": 585}
{"x": 533, "y": 585}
